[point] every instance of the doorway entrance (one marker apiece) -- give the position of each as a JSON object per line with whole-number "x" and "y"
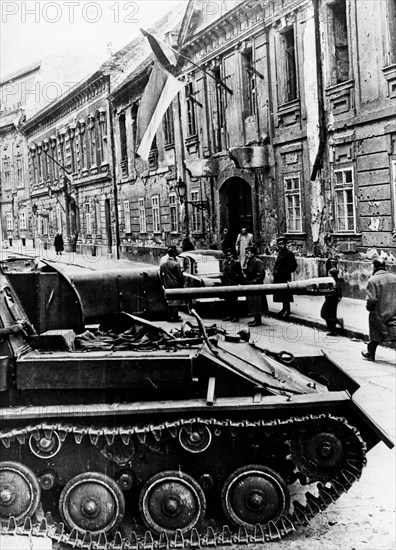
{"x": 236, "y": 209}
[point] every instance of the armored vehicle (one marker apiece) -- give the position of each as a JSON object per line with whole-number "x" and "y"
{"x": 118, "y": 433}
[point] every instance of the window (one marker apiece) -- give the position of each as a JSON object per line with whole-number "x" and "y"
{"x": 127, "y": 214}
{"x": 249, "y": 84}
{"x": 142, "y": 216}
{"x": 92, "y": 141}
{"x": 156, "y": 214}
{"x": 39, "y": 166}
{"x": 293, "y": 204}
{"x": 290, "y": 76}
{"x": 218, "y": 122}
{"x": 174, "y": 225}
{"x": 339, "y": 47}
{"x": 344, "y": 200}
{"x": 123, "y": 145}
{"x": 168, "y": 126}
{"x": 33, "y": 165}
{"x": 10, "y": 221}
{"x": 98, "y": 139}
{"x": 134, "y": 114}
{"x": 22, "y": 220}
{"x": 196, "y": 213}
{"x": 72, "y": 151}
{"x": 393, "y": 176}
{"x": 191, "y": 116}
{"x": 88, "y": 219}
{"x": 7, "y": 172}
{"x": 82, "y": 144}
{"x": 19, "y": 170}
{"x": 392, "y": 32}
{"x": 102, "y": 127}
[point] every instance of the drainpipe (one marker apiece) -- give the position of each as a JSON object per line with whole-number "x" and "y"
{"x": 319, "y": 74}
{"x": 113, "y": 168}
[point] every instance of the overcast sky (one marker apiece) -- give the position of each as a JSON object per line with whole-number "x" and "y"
{"x": 31, "y": 30}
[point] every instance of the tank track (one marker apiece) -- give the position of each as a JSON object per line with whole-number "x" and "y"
{"x": 328, "y": 490}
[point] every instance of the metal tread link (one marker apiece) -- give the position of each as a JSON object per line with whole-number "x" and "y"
{"x": 273, "y": 531}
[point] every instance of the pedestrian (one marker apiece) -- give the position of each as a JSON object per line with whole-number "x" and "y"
{"x": 285, "y": 265}
{"x": 58, "y": 243}
{"x": 186, "y": 244}
{"x": 381, "y": 303}
{"x": 225, "y": 240}
{"x": 231, "y": 274}
{"x": 171, "y": 276}
{"x": 244, "y": 240}
{"x": 329, "y": 308}
{"x": 254, "y": 274}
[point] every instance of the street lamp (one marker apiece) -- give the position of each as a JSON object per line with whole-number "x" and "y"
{"x": 181, "y": 190}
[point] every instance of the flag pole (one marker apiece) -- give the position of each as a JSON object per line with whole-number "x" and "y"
{"x": 219, "y": 81}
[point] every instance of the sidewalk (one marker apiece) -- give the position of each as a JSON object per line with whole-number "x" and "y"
{"x": 304, "y": 310}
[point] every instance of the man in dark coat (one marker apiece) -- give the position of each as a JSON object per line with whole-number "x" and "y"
{"x": 171, "y": 276}
{"x": 231, "y": 274}
{"x": 254, "y": 274}
{"x": 381, "y": 303}
{"x": 329, "y": 308}
{"x": 186, "y": 244}
{"x": 284, "y": 266}
{"x": 225, "y": 240}
{"x": 58, "y": 243}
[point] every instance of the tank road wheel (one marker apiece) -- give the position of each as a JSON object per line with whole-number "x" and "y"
{"x": 195, "y": 438}
{"x": 45, "y": 447}
{"x": 92, "y": 502}
{"x": 320, "y": 453}
{"x": 19, "y": 491}
{"x": 170, "y": 501}
{"x": 254, "y": 494}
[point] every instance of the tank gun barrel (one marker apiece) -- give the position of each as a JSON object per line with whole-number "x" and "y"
{"x": 322, "y": 286}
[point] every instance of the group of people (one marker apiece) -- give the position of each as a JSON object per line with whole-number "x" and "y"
{"x": 243, "y": 266}
{"x": 249, "y": 269}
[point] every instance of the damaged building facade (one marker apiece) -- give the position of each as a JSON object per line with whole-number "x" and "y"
{"x": 295, "y": 134}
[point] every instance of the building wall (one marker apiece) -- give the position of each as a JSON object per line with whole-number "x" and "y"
{"x": 74, "y": 194}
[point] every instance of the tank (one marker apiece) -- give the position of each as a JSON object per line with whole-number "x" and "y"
{"x": 118, "y": 433}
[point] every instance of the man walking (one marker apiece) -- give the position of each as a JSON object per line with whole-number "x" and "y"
{"x": 231, "y": 274}
{"x": 381, "y": 303}
{"x": 171, "y": 276}
{"x": 244, "y": 240}
{"x": 254, "y": 273}
{"x": 284, "y": 266}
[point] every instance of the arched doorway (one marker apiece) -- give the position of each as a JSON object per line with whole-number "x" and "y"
{"x": 236, "y": 209}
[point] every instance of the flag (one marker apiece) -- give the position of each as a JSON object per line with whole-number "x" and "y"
{"x": 161, "y": 88}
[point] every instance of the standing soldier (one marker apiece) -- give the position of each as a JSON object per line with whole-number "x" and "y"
{"x": 254, "y": 273}
{"x": 381, "y": 303}
{"x": 231, "y": 274}
{"x": 284, "y": 266}
{"x": 171, "y": 276}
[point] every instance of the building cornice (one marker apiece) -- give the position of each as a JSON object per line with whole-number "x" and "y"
{"x": 89, "y": 89}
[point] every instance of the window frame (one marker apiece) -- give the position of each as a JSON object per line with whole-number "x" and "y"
{"x": 249, "y": 81}
{"x": 9, "y": 221}
{"x": 22, "y": 220}
{"x": 192, "y": 128}
{"x": 7, "y": 173}
{"x": 156, "y": 213}
{"x": 196, "y": 214}
{"x": 168, "y": 127}
{"x": 294, "y": 224}
{"x": 393, "y": 190}
{"x": 173, "y": 213}
{"x": 88, "y": 218}
{"x": 142, "y": 215}
{"x": 290, "y": 89}
{"x": 127, "y": 216}
{"x": 343, "y": 188}
{"x": 333, "y": 48}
